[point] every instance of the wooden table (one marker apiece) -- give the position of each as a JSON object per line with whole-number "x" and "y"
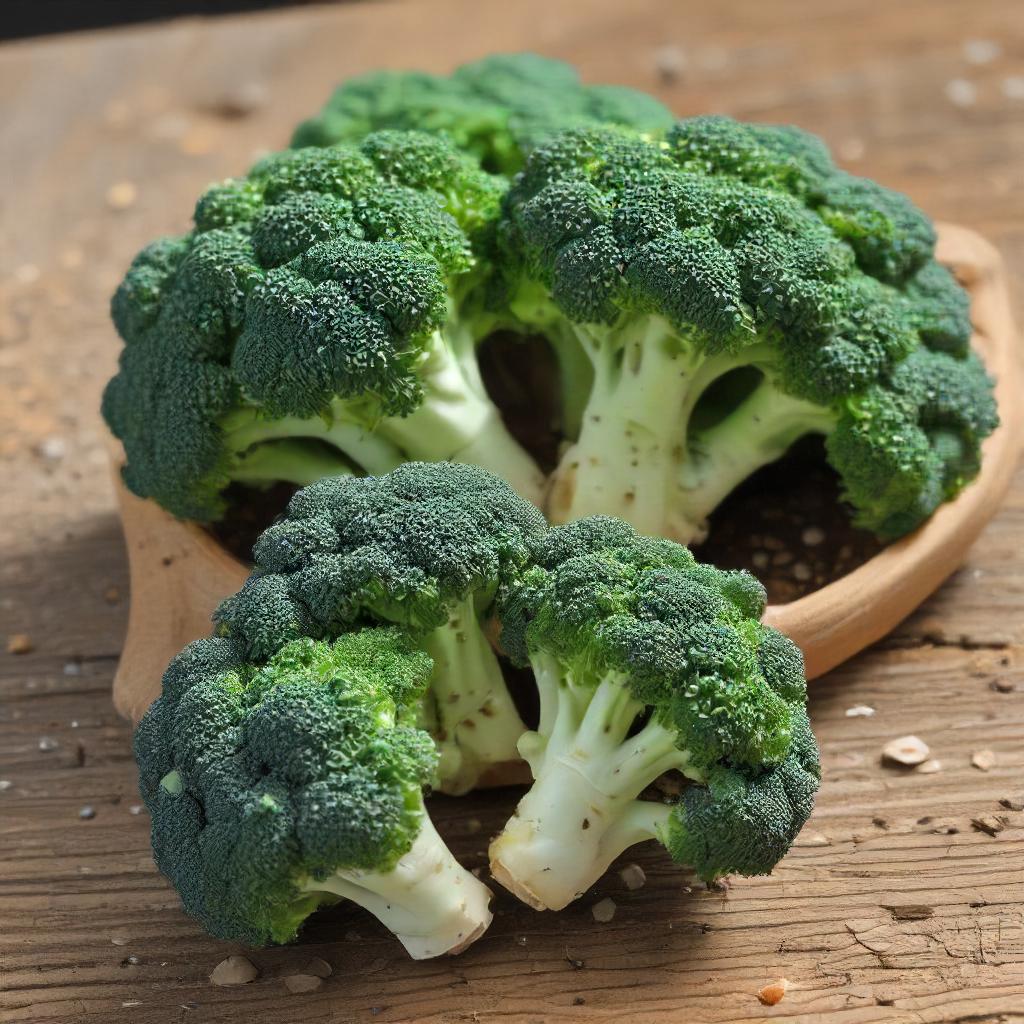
{"x": 904, "y": 898}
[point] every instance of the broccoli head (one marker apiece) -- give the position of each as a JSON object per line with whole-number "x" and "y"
{"x": 729, "y": 290}
{"x": 279, "y": 787}
{"x": 497, "y": 108}
{"x": 425, "y": 547}
{"x": 648, "y": 662}
{"x": 320, "y": 318}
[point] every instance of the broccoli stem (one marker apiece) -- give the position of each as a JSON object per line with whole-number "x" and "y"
{"x": 759, "y": 431}
{"x": 633, "y": 438}
{"x": 457, "y": 421}
{"x": 290, "y": 461}
{"x": 533, "y": 310}
{"x": 247, "y": 428}
{"x": 582, "y": 810}
{"x": 575, "y": 377}
{"x": 635, "y": 456}
{"x": 476, "y": 722}
{"x": 429, "y": 901}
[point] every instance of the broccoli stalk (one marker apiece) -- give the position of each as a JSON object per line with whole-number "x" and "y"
{"x": 647, "y": 662}
{"x": 457, "y": 421}
{"x": 474, "y": 719}
{"x": 637, "y": 455}
{"x": 581, "y": 759}
{"x": 289, "y": 462}
{"x": 281, "y": 786}
{"x": 426, "y": 546}
{"x": 429, "y": 901}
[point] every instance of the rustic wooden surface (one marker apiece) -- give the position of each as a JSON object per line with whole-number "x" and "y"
{"x": 894, "y": 907}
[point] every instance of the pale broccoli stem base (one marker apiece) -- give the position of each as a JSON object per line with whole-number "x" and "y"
{"x": 582, "y": 810}
{"x": 635, "y": 457}
{"x": 457, "y": 421}
{"x": 475, "y": 722}
{"x": 429, "y": 901}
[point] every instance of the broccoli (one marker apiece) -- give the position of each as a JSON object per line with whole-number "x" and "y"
{"x": 320, "y": 318}
{"x": 277, "y": 788}
{"x": 497, "y": 108}
{"x": 426, "y": 547}
{"x": 648, "y": 662}
{"x": 723, "y": 292}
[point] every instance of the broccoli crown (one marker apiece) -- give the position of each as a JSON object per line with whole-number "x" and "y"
{"x": 744, "y": 235}
{"x": 319, "y": 276}
{"x": 260, "y": 778}
{"x": 404, "y": 547}
{"x": 908, "y": 445}
{"x": 497, "y": 108}
{"x": 607, "y": 602}
{"x": 745, "y": 820}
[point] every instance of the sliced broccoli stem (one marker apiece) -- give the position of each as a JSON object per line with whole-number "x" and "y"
{"x": 293, "y": 462}
{"x": 633, "y": 437}
{"x": 431, "y": 903}
{"x": 582, "y": 810}
{"x": 477, "y": 724}
{"x": 759, "y": 431}
{"x": 457, "y": 421}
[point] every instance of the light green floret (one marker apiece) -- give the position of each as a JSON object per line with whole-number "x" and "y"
{"x": 648, "y": 662}
{"x": 331, "y": 299}
{"x": 716, "y": 296}
{"x": 281, "y": 787}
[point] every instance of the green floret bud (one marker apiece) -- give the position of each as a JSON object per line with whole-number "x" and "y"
{"x": 496, "y": 109}
{"x": 941, "y": 309}
{"x": 279, "y": 787}
{"x": 745, "y": 821}
{"x": 913, "y": 442}
{"x": 426, "y": 547}
{"x": 649, "y": 662}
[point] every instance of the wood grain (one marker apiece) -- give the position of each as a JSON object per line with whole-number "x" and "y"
{"x": 844, "y": 917}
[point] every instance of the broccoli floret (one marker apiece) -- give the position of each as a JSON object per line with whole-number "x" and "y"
{"x": 277, "y": 788}
{"x": 718, "y": 295}
{"x": 497, "y": 108}
{"x": 426, "y": 546}
{"x": 330, "y": 299}
{"x": 649, "y": 662}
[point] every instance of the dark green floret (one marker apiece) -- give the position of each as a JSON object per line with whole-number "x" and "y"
{"x": 283, "y": 786}
{"x": 666, "y": 272}
{"x": 649, "y": 662}
{"x": 320, "y": 319}
{"x": 426, "y": 547}
{"x": 497, "y": 108}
